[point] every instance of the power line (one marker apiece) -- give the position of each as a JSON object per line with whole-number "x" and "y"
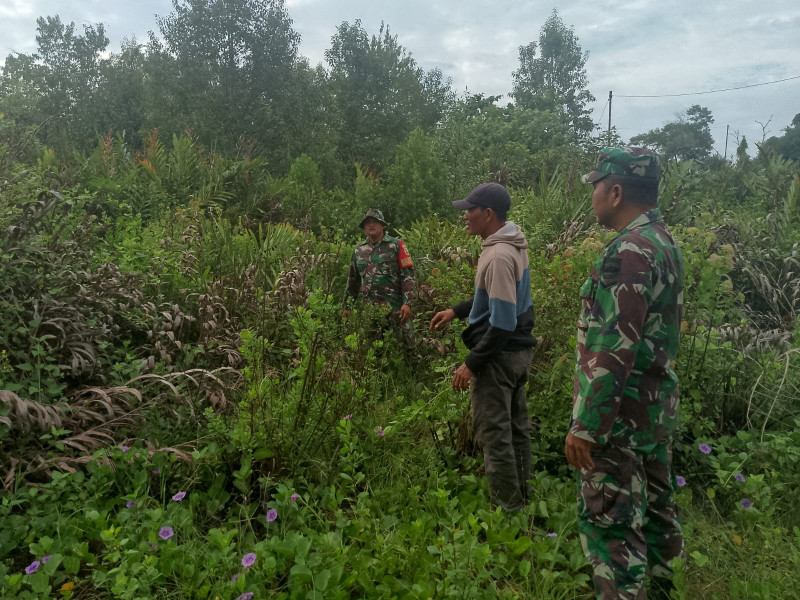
{"x": 605, "y": 106}
{"x": 741, "y": 87}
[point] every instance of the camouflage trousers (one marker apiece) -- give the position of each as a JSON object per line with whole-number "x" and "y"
{"x": 500, "y": 421}
{"x": 628, "y": 520}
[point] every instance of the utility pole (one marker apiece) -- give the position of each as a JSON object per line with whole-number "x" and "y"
{"x": 727, "y": 127}
{"x": 610, "y": 95}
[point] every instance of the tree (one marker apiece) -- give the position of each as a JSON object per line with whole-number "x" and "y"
{"x": 380, "y": 94}
{"x": 687, "y": 138}
{"x": 479, "y": 140}
{"x": 20, "y": 87}
{"x": 788, "y": 145}
{"x": 59, "y": 83}
{"x": 555, "y": 80}
{"x": 119, "y": 104}
{"x": 224, "y": 70}
{"x": 416, "y": 185}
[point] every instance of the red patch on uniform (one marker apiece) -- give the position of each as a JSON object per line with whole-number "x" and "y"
{"x": 403, "y": 257}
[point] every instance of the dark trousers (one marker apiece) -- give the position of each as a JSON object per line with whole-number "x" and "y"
{"x": 500, "y": 421}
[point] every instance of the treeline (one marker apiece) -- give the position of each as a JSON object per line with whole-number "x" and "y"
{"x": 230, "y": 75}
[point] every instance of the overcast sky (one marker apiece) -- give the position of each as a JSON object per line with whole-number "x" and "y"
{"x": 636, "y": 47}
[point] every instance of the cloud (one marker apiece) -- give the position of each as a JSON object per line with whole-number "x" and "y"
{"x": 635, "y": 46}
{"x": 14, "y": 9}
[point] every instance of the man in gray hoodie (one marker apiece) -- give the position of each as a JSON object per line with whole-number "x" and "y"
{"x": 500, "y": 342}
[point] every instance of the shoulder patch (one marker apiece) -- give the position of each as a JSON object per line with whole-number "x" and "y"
{"x": 610, "y": 271}
{"x": 403, "y": 257}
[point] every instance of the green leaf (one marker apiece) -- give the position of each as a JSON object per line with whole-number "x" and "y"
{"x": 52, "y": 564}
{"x": 543, "y": 509}
{"x": 302, "y": 548}
{"x": 700, "y": 559}
{"x": 322, "y": 579}
{"x": 40, "y": 583}
{"x": 72, "y": 565}
{"x": 301, "y": 571}
{"x": 262, "y": 453}
{"x": 520, "y": 545}
{"x": 525, "y": 568}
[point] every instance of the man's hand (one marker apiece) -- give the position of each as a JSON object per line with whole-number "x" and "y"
{"x": 462, "y": 377}
{"x": 405, "y": 313}
{"x": 578, "y": 452}
{"x": 346, "y": 314}
{"x": 441, "y": 318}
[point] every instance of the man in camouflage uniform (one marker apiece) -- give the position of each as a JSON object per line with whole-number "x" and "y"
{"x": 625, "y": 398}
{"x": 382, "y": 271}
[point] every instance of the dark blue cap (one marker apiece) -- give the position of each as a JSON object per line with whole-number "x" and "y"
{"x": 486, "y": 195}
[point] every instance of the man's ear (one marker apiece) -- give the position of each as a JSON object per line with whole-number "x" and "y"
{"x": 617, "y": 195}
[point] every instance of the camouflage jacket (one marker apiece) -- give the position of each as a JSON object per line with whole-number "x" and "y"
{"x": 626, "y": 390}
{"x": 382, "y": 272}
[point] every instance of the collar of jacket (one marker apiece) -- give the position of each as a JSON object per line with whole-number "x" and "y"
{"x": 643, "y": 219}
{"x": 386, "y": 238}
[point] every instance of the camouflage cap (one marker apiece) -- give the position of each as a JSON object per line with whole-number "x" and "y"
{"x": 373, "y": 213}
{"x": 626, "y": 161}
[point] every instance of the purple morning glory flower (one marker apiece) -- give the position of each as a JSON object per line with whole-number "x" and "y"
{"x": 179, "y": 496}
{"x": 46, "y": 558}
{"x": 739, "y": 477}
{"x": 153, "y": 547}
{"x": 552, "y": 534}
{"x": 236, "y": 577}
{"x": 680, "y": 480}
{"x": 246, "y": 596}
{"x": 130, "y": 504}
{"x": 295, "y": 497}
{"x": 347, "y": 417}
{"x": 165, "y": 533}
{"x": 124, "y": 448}
{"x": 380, "y": 431}
{"x": 272, "y": 514}
{"x": 156, "y": 471}
{"x": 32, "y": 568}
{"x": 705, "y": 448}
{"x": 746, "y": 502}
{"x": 248, "y": 559}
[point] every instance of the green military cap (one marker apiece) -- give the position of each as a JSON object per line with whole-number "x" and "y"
{"x": 373, "y": 213}
{"x": 627, "y": 161}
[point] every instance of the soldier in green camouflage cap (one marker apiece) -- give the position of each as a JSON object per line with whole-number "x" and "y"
{"x": 381, "y": 271}
{"x": 639, "y": 163}
{"x": 373, "y": 213}
{"x": 625, "y": 397}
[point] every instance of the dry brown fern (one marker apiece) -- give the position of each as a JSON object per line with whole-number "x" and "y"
{"x": 97, "y": 417}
